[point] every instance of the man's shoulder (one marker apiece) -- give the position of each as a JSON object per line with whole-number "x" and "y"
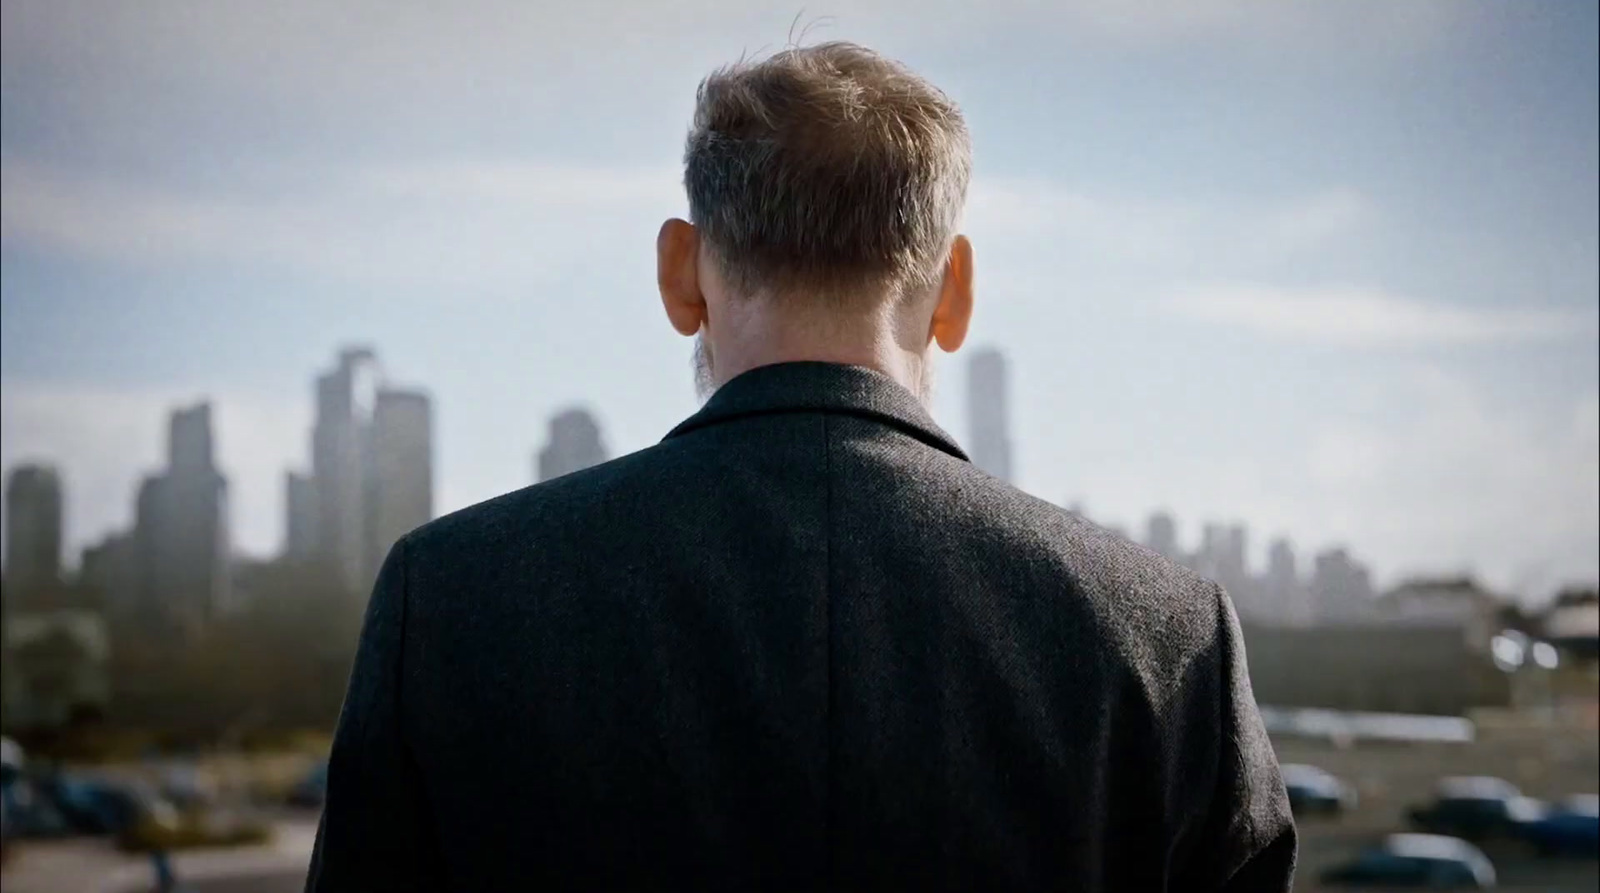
{"x": 1035, "y": 545}
{"x": 992, "y": 515}
{"x": 540, "y": 509}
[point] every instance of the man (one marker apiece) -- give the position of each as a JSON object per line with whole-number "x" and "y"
{"x": 802, "y": 643}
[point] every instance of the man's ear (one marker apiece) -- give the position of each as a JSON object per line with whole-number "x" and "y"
{"x": 953, "y": 314}
{"x": 678, "y": 275}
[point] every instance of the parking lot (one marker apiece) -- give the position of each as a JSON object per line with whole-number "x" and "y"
{"x": 1391, "y": 777}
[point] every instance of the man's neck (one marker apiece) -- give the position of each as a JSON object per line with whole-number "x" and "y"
{"x": 754, "y": 339}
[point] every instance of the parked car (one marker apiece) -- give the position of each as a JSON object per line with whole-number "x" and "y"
{"x": 30, "y": 812}
{"x": 1316, "y": 791}
{"x": 1416, "y": 860}
{"x": 1477, "y": 808}
{"x": 161, "y": 826}
{"x": 92, "y": 806}
{"x": 11, "y": 760}
{"x": 10, "y": 770}
{"x": 1569, "y": 828}
{"x": 313, "y": 788}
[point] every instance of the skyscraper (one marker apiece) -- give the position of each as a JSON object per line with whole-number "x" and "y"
{"x": 300, "y": 517}
{"x": 189, "y": 446}
{"x": 340, "y": 450}
{"x": 371, "y": 471}
{"x": 183, "y": 550}
{"x": 1282, "y": 595}
{"x": 1161, "y": 536}
{"x": 1223, "y": 557}
{"x": 108, "y": 567}
{"x": 1341, "y": 589}
{"x": 1208, "y": 559}
{"x": 33, "y": 528}
{"x": 575, "y": 443}
{"x": 401, "y": 481}
{"x": 1234, "y": 564}
{"x": 987, "y": 413}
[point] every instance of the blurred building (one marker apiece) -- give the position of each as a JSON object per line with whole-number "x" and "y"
{"x": 988, "y": 414}
{"x": 1208, "y": 557}
{"x": 107, "y": 568}
{"x": 575, "y": 443}
{"x": 371, "y": 471}
{"x": 1457, "y": 603}
{"x": 340, "y": 447}
{"x": 57, "y": 669}
{"x": 1161, "y": 536}
{"x": 1223, "y": 557}
{"x": 1340, "y": 589}
{"x": 182, "y": 559}
{"x": 1283, "y": 596}
{"x": 1233, "y": 566}
{"x": 401, "y": 482}
{"x": 33, "y": 529}
{"x": 1372, "y": 668}
{"x": 1572, "y": 622}
{"x": 300, "y": 517}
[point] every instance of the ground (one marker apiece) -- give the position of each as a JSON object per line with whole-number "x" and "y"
{"x": 1546, "y": 763}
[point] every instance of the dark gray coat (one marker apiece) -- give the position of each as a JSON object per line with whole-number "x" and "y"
{"x": 802, "y": 644}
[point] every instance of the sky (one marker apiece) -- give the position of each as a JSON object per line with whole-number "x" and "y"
{"x": 1326, "y": 268}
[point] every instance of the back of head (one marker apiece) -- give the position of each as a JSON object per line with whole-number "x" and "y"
{"x": 826, "y": 172}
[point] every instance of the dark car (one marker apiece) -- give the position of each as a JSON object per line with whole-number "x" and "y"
{"x": 1477, "y": 808}
{"x": 1315, "y": 791}
{"x": 30, "y": 812}
{"x": 92, "y": 806}
{"x": 311, "y": 789}
{"x": 1569, "y": 828}
{"x": 1428, "y": 861}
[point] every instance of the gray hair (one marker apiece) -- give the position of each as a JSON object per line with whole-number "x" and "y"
{"x": 826, "y": 170}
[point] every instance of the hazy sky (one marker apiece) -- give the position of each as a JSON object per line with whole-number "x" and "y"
{"x": 1328, "y": 268}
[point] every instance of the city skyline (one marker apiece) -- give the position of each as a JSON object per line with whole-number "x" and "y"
{"x": 1336, "y": 589}
{"x": 370, "y": 439}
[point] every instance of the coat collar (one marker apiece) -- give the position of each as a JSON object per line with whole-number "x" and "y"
{"x": 821, "y": 387}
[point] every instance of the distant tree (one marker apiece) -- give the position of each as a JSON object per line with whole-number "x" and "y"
{"x": 1512, "y": 616}
{"x": 1575, "y": 596}
{"x": 280, "y": 661}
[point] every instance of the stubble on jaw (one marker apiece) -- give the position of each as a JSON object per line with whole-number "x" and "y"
{"x": 705, "y": 382}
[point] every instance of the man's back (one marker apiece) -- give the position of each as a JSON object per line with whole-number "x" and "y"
{"x": 800, "y": 644}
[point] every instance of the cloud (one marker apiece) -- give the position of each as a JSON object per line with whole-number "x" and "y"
{"x": 525, "y": 181}
{"x": 500, "y": 221}
{"x": 1457, "y": 482}
{"x": 1448, "y": 482}
{"x": 362, "y": 47}
{"x": 1175, "y": 233}
{"x": 105, "y": 438}
{"x": 217, "y": 82}
{"x": 453, "y": 223}
{"x": 1347, "y": 316}
{"x": 1297, "y": 26}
